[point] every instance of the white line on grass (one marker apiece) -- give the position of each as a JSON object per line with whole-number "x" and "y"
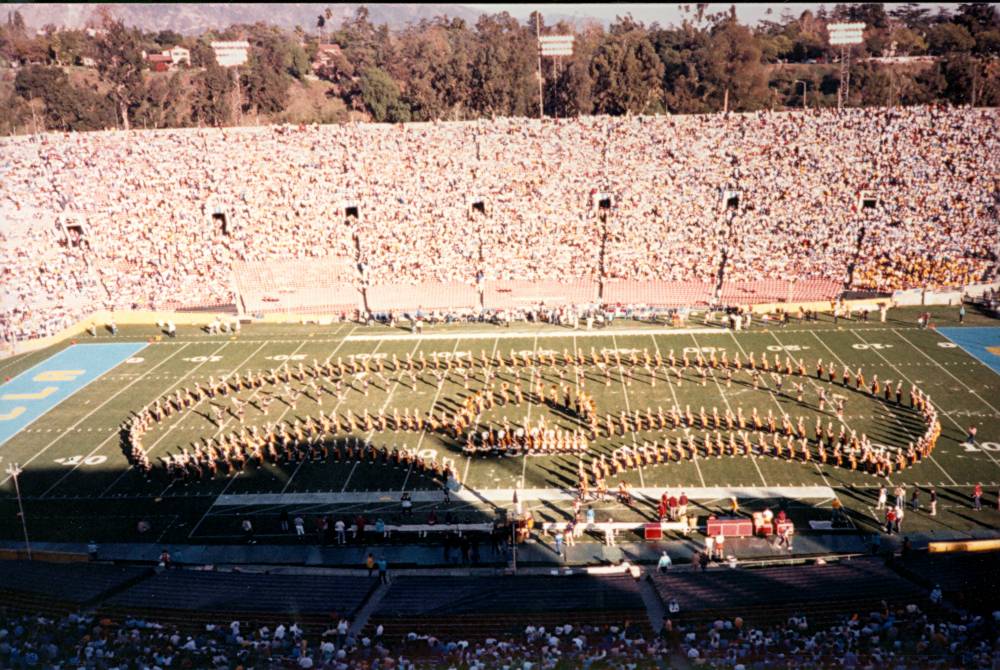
{"x": 816, "y": 387}
{"x": 673, "y": 393}
{"x": 335, "y": 408}
{"x": 233, "y": 477}
{"x": 947, "y": 371}
{"x": 468, "y": 458}
{"x": 628, "y": 408}
{"x": 722, "y": 393}
{"x": 384, "y": 405}
{"x": 843, "y": 365}
{"x": 527, "y": 421}
{"x": 536, "y": 334}
{"x": 890, "y": 364}
{"x": 940, "y": 409}
{"x": 176, "y": 423}
{"x": 112, "y": 435}
{"x": 82, "y": 419}
{"x": 17, "y": 358}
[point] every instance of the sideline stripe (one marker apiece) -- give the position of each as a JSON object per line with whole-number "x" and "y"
{"x": 38, "y": 389}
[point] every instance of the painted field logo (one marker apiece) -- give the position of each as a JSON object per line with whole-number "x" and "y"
{"x": 37, "y": 390}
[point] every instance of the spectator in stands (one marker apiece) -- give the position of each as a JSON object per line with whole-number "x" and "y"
{"x": 916, "y": 181}
{"x": 665, "y": 563}
{"x": 247, "y": 527}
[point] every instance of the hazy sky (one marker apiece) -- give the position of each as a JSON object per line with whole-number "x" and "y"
{"x": 665, "y": 14}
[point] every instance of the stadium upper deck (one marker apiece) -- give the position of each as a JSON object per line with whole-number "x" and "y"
{"x": 904, "y": 196}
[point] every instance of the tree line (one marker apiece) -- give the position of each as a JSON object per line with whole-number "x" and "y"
{"x": 448, "y": 69}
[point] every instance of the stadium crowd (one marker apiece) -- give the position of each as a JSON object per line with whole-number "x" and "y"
{"x": 892, "y": 638}
{"x": 913, "y": 190}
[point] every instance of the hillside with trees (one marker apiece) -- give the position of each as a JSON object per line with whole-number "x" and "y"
{"x": 447, "y": 69}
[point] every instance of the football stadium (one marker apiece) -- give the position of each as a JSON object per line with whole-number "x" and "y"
{"x": 627, "y": 388}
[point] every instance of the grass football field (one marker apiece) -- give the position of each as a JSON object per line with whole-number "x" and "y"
{"x": 77, "y": 486}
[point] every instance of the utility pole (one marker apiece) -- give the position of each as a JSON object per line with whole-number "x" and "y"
{"x": 14, "y": 471}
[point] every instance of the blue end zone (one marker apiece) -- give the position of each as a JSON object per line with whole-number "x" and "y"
{"x": 40, "y": 388}
{"x": 983, "y": 343}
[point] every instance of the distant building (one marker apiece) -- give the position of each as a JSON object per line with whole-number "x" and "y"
{"x": 159, "y": 62}
{"x": 179, "y": 55}
{"x": 229, "y": 54}
{"x": 168, "y": 59}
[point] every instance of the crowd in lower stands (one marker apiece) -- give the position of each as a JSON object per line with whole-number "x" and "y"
{"x": 782, "y": 195}
{"x": 892, "y": 638}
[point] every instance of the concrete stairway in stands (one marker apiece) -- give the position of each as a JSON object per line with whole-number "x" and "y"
{"x": 365, "y": 613}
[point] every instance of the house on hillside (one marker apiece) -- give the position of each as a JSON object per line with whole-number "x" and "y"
{"x": 179, "y": 55}
{"x": 229, "y": 54}
{"x": 168, "y": 59}
{"x": 159, "y": 62}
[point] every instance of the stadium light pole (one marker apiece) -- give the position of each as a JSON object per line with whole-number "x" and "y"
{"x": 845, "y": 35}
{"x": 14, "y": 470}
{"x": 550, "y": 46}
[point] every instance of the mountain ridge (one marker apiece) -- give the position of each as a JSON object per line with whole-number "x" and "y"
{"x": 193, "y": 19}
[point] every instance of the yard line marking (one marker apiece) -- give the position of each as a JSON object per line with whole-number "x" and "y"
{"x": 334, "y": 413}
{"x": 503, "y": 496}
{"x": 468, "y": 458}
{"x": 174, "y": 425}
{"x": 81, "y": 420}
{"x": 384, "y": 405}
{"x": 815, "y": 386}
{"x": 940, "y": 409}
{"x": 670, "y": 385}
{"x": 628, "y": 408}
{"x": 722, "y": 393}
{"x": 423, "y": 433}
{"x": 233, "y": 477}
{"x": 17, "y": 358}
{"x": 527, "y": 420}
{"x": 843, "y": 365}
{"x": 112, "y": 435}
{"x": 220, "y": 428}
{"x": 931, "y": 456}
{"x": 562, "y": 332}
{"x": 924, "y": 354}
